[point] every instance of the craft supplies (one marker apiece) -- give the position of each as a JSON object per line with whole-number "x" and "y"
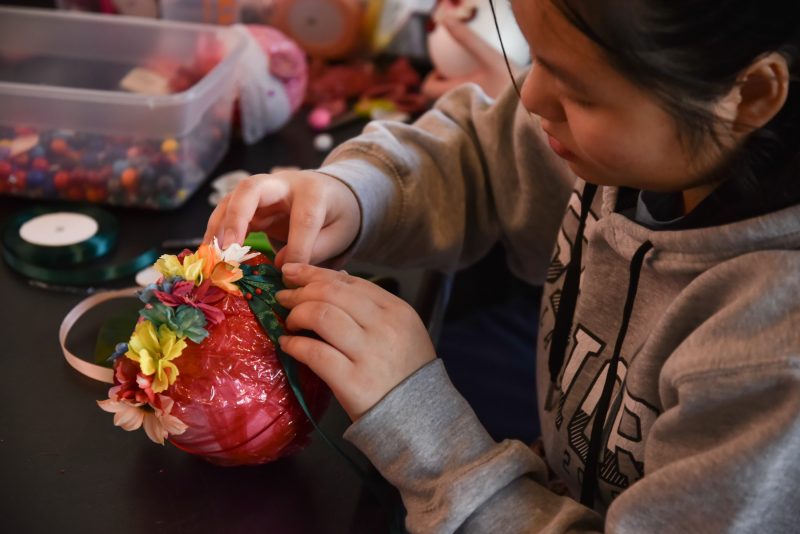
{"x": 134, "y": 8}
{"x": 68, "y": 128}
{"x": 225, "y": 184}
{"x": 286, "y": 61}
{"x": 375, "y": 92}
{"x": 205, "y": 11}
{"x": 202, "y": 367}
{"x": 331, "y": 29}
{"x": 323, "y": 142}
{"x": 386, "y": 18}
{"x": 450, "y": 58}
{"x": 65, "y": 247}
{"x": 273, "y": 76}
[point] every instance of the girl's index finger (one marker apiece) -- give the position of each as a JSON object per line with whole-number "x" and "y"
{"x": 258, "y": 191}
{"x": 302, "y": 274}
{"x": 357, "y": 295}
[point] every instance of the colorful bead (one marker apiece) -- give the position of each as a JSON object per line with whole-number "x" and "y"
{"x": 59, "y": 146}
{"x": 61, "y": 179}
{"x": 111, "y": 169}
{"x": 36, "y": 179}
{"x": 129, "y": 178}
{"x": 169, "y": 146}
{"x": 18, "y": 179}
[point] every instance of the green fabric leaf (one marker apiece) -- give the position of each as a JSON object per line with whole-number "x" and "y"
{"x": 267, "y": 311}
{"x": 186, "y": 321}
{"x": 259, "y": 242}
{"x": 190, "y": 322}
{"x": 159, "y": 314}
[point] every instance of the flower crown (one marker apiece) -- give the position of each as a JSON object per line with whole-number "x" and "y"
{"x": 177, "y": 310}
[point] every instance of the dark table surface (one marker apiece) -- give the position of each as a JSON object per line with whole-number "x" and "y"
{"x": 65, "y": 468}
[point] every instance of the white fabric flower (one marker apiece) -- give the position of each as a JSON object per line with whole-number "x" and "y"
{"x": 234, "y": 254}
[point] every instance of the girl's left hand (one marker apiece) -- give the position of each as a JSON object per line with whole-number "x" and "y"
{"x": 370, "y": 340}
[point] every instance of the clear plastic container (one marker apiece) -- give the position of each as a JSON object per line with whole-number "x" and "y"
{"x": 72, "y": 127}
{"x": 206, "y": 11}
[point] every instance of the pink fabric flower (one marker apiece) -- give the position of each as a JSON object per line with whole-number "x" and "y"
{"x": 203, "y": 297}
{"x": 158, "y": 423}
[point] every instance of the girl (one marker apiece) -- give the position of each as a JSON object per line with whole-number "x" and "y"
{"x": 661, "y": 137}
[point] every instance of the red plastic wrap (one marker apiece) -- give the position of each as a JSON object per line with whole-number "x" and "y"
{"x": 235, "y": 398}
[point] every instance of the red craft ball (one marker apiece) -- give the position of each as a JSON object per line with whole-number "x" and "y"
{"x": 233, "y": 394}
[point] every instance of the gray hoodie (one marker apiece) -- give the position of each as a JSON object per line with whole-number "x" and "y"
{"x": 684, "y": 346}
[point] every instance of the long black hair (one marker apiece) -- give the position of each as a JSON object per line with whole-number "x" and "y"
{"x": 690, "y": 53}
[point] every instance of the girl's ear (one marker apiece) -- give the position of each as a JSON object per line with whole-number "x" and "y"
{"x": 760, "y": 93}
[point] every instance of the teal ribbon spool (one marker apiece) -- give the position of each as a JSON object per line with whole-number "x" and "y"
{"x": 68, "y": 264}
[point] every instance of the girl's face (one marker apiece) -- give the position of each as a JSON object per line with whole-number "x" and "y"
{"x": 609, "y": 130}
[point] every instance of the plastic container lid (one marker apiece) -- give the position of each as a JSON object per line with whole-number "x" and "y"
{"x": 116, "y": 40}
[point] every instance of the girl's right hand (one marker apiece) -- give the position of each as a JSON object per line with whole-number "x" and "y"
{"x": 317, "y": 216}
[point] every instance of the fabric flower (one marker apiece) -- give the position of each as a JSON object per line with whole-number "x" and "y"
{"x": 224, "y": 276}
{"x": 131, "y": 384}
{"x": 235, "y": 253}
{"x": 193, "y": 268}
{"x": 169, "y": 266}
{"x": 161, "y": 424}
{"x": 183, "y": 321}
{"x": 211, "y": 257}
{"x": 189, "y": 267}
{"x": 119, "y": 350}
{"x": 203, "y": 298}
{"x": 127, "y": 414}
{"x": 158, "y": 423}
{"x": 147, "y": 293}
{"x": 155, "y": 351}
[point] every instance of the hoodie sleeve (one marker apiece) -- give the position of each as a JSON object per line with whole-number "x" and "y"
{"x": 715, "y": 462}
{"x": 439, "y": 193}
{"x": 425, "y": 440}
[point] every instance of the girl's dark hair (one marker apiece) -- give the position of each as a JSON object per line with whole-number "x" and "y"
{"x": 689, "y": 53}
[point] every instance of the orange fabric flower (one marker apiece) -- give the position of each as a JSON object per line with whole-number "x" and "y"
{"x": 224, "y": 275}
{"x": 210, "y": 259}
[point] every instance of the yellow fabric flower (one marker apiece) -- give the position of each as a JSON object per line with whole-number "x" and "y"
{"x": 154, "y": 352}
{"x": 169, "y": 265}
{"x": 191, "y": 269}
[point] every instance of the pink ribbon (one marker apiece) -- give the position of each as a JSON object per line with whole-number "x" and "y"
{"x": 93, "y": 371}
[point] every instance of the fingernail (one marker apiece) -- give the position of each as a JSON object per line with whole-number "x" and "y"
{"x": 229, "y": 239}
{"x": 290, "y": 268}
{"x": 282, "y": 340}
{"x": 282, "y": 295}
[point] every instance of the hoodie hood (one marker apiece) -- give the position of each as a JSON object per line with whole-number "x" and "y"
{"x": 702, "y": 247}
